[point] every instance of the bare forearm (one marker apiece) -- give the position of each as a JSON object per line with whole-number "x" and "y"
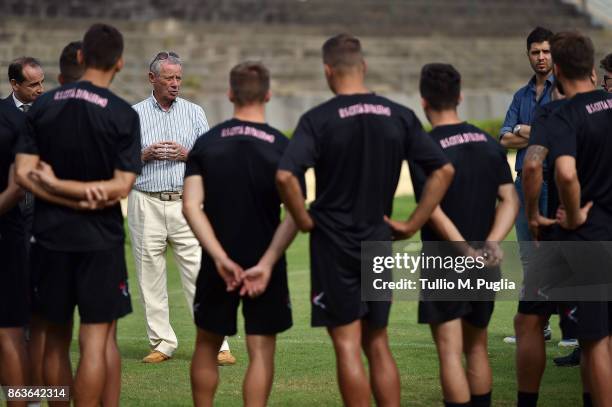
{"x": 42, "y": 193}
{"x": 444, "y": 227}
{"x": 532, "y": 187}
{"x": 433, "y": 192}
{"x": 505, "y": 214}
{"x": 291, "y": 194}
{"x": 569, "y": 195}
{"x": 284, "y": 235}
{"x": 202, "y": 229}
{"x": 511, "y": 140}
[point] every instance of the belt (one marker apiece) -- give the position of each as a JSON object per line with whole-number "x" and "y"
{"x": 166, "y": 195}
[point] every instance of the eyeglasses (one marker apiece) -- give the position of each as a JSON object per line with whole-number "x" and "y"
{"x": 162, "y": 56}
{"x": 607, "y": 83}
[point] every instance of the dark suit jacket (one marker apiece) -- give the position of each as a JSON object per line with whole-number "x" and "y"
{"x": 11, "y": 119}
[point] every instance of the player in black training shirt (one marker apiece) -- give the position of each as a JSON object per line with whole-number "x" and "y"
{"x": 581, "y": 152}
{"x": 356, "y": 143}
{"x": 231, "y": 170}
{"x": 90, "y": 138}
{"x": 14, "y": 309}
{"x": 468, "y": 212}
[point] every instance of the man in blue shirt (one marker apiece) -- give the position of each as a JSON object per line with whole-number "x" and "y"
{"x": 516, "y": 129}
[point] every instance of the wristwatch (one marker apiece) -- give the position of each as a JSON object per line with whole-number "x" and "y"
{"x": 516, "y": 130}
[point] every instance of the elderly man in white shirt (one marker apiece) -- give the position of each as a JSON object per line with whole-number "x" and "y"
{"x": 170, "y": 126}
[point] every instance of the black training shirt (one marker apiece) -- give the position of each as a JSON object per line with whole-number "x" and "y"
{"x": 583, "y": 129}
{"x": 238, "y": 161}
{"x": 356, "y": 144}
{"x": 85, "y": 133}
{"x": 542, "y": 129}
{"x": 480, "y": 168}
{"x": 11, "y": 120}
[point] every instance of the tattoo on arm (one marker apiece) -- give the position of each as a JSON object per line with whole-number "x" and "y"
{"x": 536, "y": 153}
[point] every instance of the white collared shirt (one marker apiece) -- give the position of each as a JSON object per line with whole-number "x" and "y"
{"x": 183, "y": 123}
{"x": 18, "y": 102}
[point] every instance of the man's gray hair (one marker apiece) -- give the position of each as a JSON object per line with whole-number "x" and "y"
{"x": 164, "y": 57}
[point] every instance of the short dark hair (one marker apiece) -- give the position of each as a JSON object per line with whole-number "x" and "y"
{"x": 15, "y": 69}
{"x": 250, "y": 82}
{"x": 606, "y": 63}
{"x": 573, "y": 53}
{"x": 342, "y": 51}
{"x": 102, "y": 46}
{"x": 440, "y": 86}
{"x": 539, "y": 34}
{"x": 70, "y": 68}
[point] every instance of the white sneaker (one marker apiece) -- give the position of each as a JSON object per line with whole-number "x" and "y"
{"x": 510, "y": 340}
{"x": 568, "y": 343}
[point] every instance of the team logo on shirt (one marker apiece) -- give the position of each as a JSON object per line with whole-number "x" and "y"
{"x": 247, "y": 131}
{"x": 364, "y": 108}
{"x": 462, "y": 138}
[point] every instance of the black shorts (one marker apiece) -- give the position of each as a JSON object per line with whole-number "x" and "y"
{"x": 336, "y": 287}
{"x": 542, "y": 308}
{"x": 593, "y": 320}
{"x": 95, "y": 282}
{"x": 14, "y": 293}
{"x": 215, "y": 310}
{"x": 476, "y": 313}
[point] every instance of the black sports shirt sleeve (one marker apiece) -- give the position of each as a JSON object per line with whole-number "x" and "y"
{"x": 503, "y": 169}
{"x": 302, "y": 152}
{"x": 129, "y": 147}
{"x": 192, "y": 166}
{"x": 421, "y": 149}
{"x": 563, "y": 140}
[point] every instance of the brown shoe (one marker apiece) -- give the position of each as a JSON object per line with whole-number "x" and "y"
{"x": 155, "y": 357}
{"x": 225, "y": 358}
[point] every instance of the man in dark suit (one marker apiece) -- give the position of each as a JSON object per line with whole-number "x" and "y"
{"x": 27, "y": 81}
{"x": 26, "y": 78}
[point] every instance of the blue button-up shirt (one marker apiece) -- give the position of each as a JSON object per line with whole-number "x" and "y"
{"x": 522, "y": 109}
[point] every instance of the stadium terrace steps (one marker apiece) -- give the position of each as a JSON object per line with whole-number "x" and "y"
{"x": 371, "y": 17}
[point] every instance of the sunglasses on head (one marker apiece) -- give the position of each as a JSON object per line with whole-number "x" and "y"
{"x": 163, "y": 55}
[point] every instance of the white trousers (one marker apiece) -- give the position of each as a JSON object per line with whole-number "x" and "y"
{"x": 154, "y": 224}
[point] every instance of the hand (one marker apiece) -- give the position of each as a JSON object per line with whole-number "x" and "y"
{"x": 580, "y": 217}
{"x": 536, "y": 223}
{"x": 401, "y": 230}
{"x": 255, "y": 280}
{"x": 44, "y": 176}
{"x": 492, "y": 253}
{"x": 156, "y": 151}
{"x": 230, "y": 272}
{"x": 525, "y": 131}
{"x": 174, "y": 151}
{"x": 96, "y": 198}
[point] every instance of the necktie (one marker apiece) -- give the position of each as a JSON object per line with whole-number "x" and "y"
{"x": 25, "y": 108}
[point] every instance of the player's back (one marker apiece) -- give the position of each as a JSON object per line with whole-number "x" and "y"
{"x": 238, "y": 161}
{"x": 357, "y": 144}
{"x": 480, "y": 167}
{"x": 85, "y": 133}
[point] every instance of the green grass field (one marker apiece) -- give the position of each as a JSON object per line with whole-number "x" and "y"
{"x": 305, "y": 367}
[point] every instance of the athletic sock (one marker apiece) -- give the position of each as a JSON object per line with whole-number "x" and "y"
{"x": 525, "y": 399}
{"x": 586, "y": 400}
{"x": 449, "y": 404}
{"x": 481, "y": 400}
